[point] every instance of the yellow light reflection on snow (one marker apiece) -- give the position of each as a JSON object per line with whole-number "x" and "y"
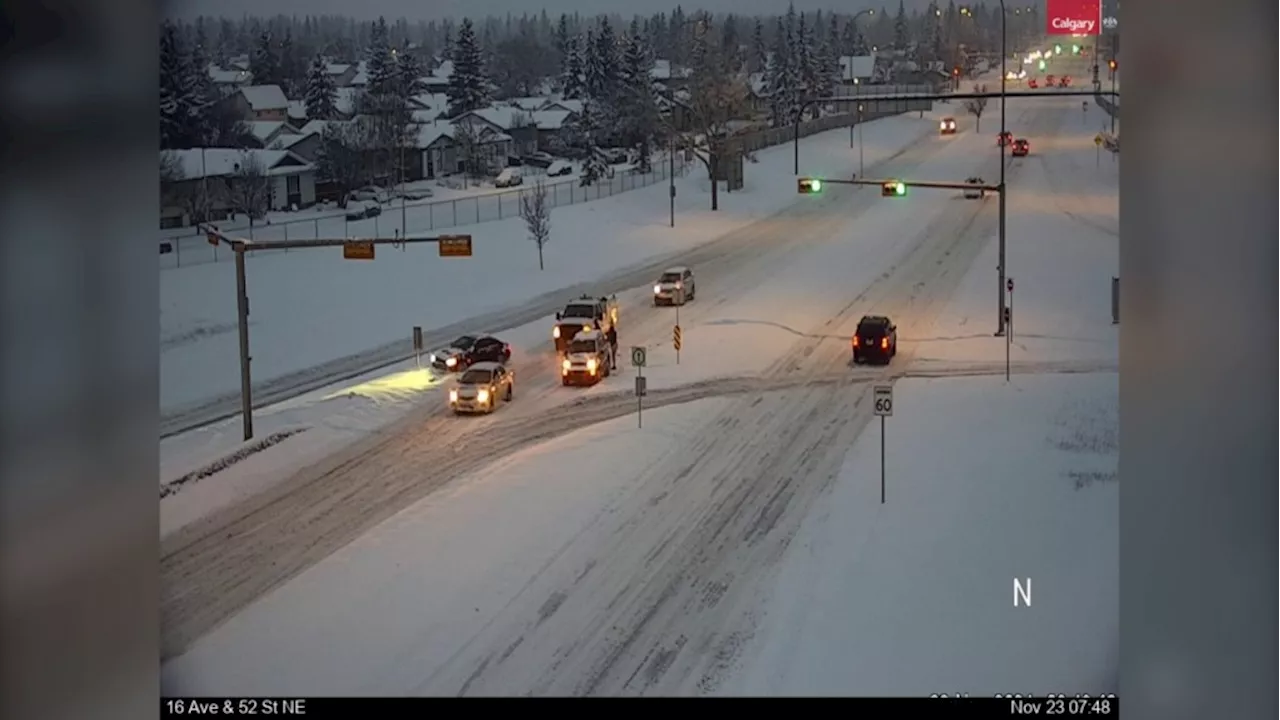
{"x": 395, "y": 385}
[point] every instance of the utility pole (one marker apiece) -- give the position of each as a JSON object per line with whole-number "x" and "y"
{"x": 1004, "y": 101}
{"x": 450, "y": 246}
{"x": 1113, "y": 96}
{"x": 861, "y": 145}
{"x": 671, "y": 175}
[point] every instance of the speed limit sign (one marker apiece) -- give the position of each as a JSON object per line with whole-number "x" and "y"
{"x": 883, "y": 396}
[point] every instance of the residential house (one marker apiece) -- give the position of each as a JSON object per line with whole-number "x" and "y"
{"x": 341, "y": 73}
{"x": 264, "y": 132}
{"x": 527, "y": 104}
{"x": 428, "y": 107}
{"x": 573, "y": 106}
{"x": 361, "y": 77}
{"x": 344, "y": 101}
{"x": 239, "y": 62}
{"x": 863, "y": 69}
{"x": 551, "y": 127}
{"x": 213, "y": 174}
{"x": 229, "y": 81}
{"x": 305, "y": 145}
{"x": 758, "y": 95}
{"x": 438, "y": 80}
{"x": 673, "y": 77}
{"x": 439, "y": 152}
{"x": 501, "y": 132}
{"x": 297, "y": 113}
{"x": 261, "y": 102}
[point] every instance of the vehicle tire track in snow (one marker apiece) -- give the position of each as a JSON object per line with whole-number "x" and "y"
{"x": 673, "y": 592}
{"x": 191, "y": 553}
{"x": 275, "y": 390}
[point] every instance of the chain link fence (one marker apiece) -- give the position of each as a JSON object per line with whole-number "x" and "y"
{"x": 421, "y": 216}
{"x": 426, "y": 216}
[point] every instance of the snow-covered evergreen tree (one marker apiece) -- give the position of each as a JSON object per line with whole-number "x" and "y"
{"x": 602, "y": 64}
{"x": 698, "y": 44}
{"x": 202, "y": 114}
{"x": 468, "y": 87}
{"x": 265, "y": 61}
{"x": 176, "y": 101}
{"x": 638, "y": 107}
{"x": 321, "y": 94}
{"x": 934, "y": 35}
{"x": 409, "y": 72}
{"x": 901, "y": 38}
{"x": 781, "y": 78}
{"x": 730, "y": 43}
{"x": 290, "y": 68}
{"x": 572, "y": 82}
{"x": 806, "y": 62}
{"x": 380, "y": 63}
{"x": 759, "y": 50}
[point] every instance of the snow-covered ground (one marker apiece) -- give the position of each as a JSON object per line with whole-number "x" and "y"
{"x": 311, "y": 307}
{"x": 752, "y": 304}
{"x": 556, "y": 548}
{"x": 908, "y": 598}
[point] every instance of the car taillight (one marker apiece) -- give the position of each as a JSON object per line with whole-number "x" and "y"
{"x": 855, "y": 339}
{"x": 884, "y": 343}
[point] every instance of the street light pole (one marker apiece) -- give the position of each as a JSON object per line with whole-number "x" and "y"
{"x": 1004, "y": 55}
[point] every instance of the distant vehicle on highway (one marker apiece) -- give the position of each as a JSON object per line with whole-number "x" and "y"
{"x": 481, "y": 388}
{"x": 975, "y": 193}
{"x": 469, "y": 350}
{"x": 675, "y": 287}
{"x": 947, "y": 126}
{"x": 876, "y": 339}
{"x": 1021, "y": 147}
{"x": 1065, "y": 81}
{"x": 363, "y": 211}
{"x": 1004, "y": 138}
{"x": 1049, "y": 80}
{"x": 1033, "y": 84}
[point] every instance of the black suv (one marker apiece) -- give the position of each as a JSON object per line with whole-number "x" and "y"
{"x": 876, "y": 339}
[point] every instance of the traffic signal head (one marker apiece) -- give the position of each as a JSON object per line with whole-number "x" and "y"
{"x": 809, "y": 186}
{"x": 893, "y": 188}
{"x": 1111, "y": 64}
{"x": 955, "y": 71}
{"x": 1075, "y": 49}
{"x": 1057, "y": 49}
{"x": 1041, "y": 65}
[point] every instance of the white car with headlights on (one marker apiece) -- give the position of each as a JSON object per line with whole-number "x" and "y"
{"x": 481, "y": 388}
{"x": 674, "y": 287}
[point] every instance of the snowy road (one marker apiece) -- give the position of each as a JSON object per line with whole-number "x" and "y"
{"x": 682, "y": 564}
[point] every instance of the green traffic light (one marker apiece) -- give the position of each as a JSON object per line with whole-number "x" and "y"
{"x": 902, "y": 189}
{"x": 1057, "y": 49}
{"x": 816, "y": 185}
{"x": 1041, "y": 64}
{"x": 1075, "y": 49}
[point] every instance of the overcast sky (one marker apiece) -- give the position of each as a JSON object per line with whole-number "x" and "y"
{"x": 434, "y": 9}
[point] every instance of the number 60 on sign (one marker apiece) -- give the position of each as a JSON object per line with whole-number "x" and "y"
{"x": 883, "y": 397}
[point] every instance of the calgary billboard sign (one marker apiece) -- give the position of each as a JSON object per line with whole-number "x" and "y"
{"x": 1073, "y": 17}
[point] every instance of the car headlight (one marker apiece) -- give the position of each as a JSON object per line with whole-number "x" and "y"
{"x": 586, "y": 328}
{"x": 591, "y": 365}
{"x": 657, "y": 289}
{"x": 453, "y": 396}
{"x": 482, "y": 395}
{"x": 451, "y": 362}
{"x": 555, "y": 332}
{"x": 566, "y": 365}
{"x": 433, "y": 357}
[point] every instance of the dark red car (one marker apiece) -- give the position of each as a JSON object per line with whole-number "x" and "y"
{"x": 1004, "y": 138}
{"x": 1021, "y": 147}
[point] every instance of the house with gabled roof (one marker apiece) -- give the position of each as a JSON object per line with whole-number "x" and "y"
{"x": 261, "y": 102}
{"x": 212, "y": 174}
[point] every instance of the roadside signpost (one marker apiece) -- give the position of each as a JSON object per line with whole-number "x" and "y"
{"x": 883, "y": 397}
{"x": 1008, "y": 323}
{"x": 677, "y": 341}
{"x": 638, "y": 360}
{"x": 417, "y": 346}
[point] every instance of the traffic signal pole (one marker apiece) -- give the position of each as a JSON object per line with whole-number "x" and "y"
{"x": 1004, "y": 74}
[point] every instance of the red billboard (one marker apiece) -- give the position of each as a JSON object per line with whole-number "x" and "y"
{"x": 1073, "y": 17}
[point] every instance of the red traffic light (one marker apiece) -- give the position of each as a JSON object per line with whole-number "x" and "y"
{"x": 1111, "y": 64}
{"x": 955, "y": 71}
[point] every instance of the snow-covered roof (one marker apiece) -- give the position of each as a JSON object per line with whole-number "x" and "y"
{"x": 429, "y": 133}
{"x": 857, "y": 66}
{"x": 337, "y": 68}
{"x": 297, "y": 110}
{"x": 265, "y": 130}
{"x": 505, "y": 118}
{"x": 756, "y": 82}
{"x": 315, "y": 127}
{"x": 360, "y": 78}
{"x": 265, "y": 97}
{"x": 661, "y": 70}
{"x": 550, "y": 119}
{"x": 570, "y": 105}
{"x": 444, "y": 71}
{"x": 526, "y": 103}
{"x": 435, "y": 102}
{"x": 286, "y": 140}
{"x": 221, "y": 76}
{"x": 219, "y": 162}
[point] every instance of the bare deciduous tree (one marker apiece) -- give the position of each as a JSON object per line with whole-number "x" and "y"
{"x": 250, "y": 188}
{"x": 537, "y": 216}
{"x": 975, "y": 106}
{"x": 343, "y": 156}
{"x": 467, "y": 138}
{"x": 717, "y": 95}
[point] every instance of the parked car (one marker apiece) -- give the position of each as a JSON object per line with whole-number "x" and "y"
{"x": 369, "y": 193}
{"x": 363, "y": 211}
{"x": 558, "y": 168}
{"x": 509, "y": 177}
{"x": 615, "y": 156}
{"x": 538, "y": 159}
{"x": 1005, "y": 138}
{"x": 411, "y": 195}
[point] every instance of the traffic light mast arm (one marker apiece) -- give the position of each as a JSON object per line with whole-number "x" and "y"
{"x": 905, "y": 183}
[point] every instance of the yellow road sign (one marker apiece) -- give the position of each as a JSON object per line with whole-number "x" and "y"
{"x": 675, "y": 337}
{"x": 1097, "y": 139}
{"x": 358, "y": 250}
{"x": 455, "y": 245}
